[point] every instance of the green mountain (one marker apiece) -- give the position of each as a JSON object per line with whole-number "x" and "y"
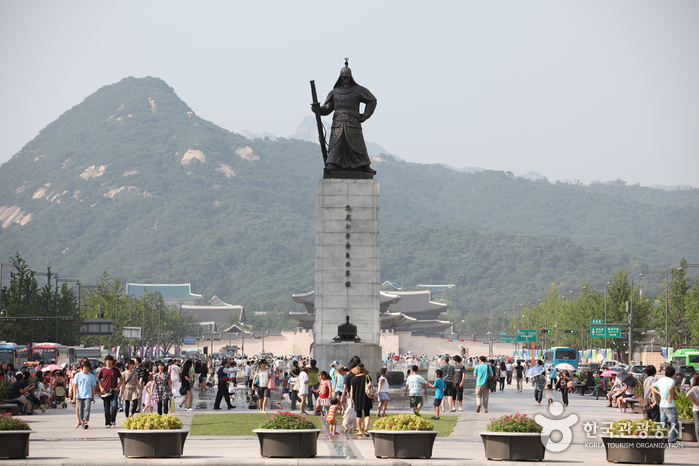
{"x": 131, "y": 181}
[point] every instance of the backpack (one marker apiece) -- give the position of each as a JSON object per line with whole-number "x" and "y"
{"x": 369, "y": 388}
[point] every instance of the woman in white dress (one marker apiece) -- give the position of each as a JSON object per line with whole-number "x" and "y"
{"x": 174, "y": 370}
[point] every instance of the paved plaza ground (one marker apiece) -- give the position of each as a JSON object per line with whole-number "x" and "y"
{"x": 57, "y": 442}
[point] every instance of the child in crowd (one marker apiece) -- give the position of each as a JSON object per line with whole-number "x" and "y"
{"x": 549, "y": 392}
{"x": 285, "y": 389}
{"x": 148, "y": 400}
{"x": 324, "y": 393}
{"x": 383, "y": 393}
{"x": 330, "y": 418}
{"x": 439, "y": 387}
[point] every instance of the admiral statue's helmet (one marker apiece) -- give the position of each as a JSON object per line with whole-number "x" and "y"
{"x": 345, "y": 71}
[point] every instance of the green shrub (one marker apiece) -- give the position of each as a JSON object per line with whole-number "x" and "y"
{"x": 287, "y": 421}
{"x": 402, "y": 422}
{"x": 152, "y": 422}
{"x": 514, "y": 423}
{"x": 684, "y": 406}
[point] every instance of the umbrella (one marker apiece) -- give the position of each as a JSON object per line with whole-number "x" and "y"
{"x": 629, "y": 380}
{"x": 256, "y": 364}
{"x": 51, "y": 368}
{"x": 607, "y": 373}
{"x": 534, "y": 371}
{"x": 564, "y": 366}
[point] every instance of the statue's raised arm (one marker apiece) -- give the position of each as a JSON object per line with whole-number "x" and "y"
{"x": 347, "y": 152}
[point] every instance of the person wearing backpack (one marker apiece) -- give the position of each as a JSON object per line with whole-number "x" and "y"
{"x": 483, "y": 373}
{"x": 359, "y": 398}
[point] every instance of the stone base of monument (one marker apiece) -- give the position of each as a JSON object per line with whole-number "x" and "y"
{"x": 344, "y": 351}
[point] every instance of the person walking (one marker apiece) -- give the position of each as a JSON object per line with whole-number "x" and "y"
{"x": 564, "y": 386}
{"x": 163, "y": 388}
{"x": 459, "y": 376}
{"x": 142, "y": 379}
{"x": 313, "y": 384}
{"x": 262, "y": 379}
{"x": 223, "y": 375}
{"x": 539, "y": 382}
{"x": 294, "y": 387}
{"x": 361, "y": 403}
{"x": 129, "y": 389}
{"x": 519, "y": 375}
{"x": 383, "y": 393}
{"x": 509, "y": 368}
{"x": 415, "y": 386}
{"x": 108, "y": 380}
{"x": 174, "y": 370}
{"x": 482, "y": 373}
{"x": 303, "y": 388}
{"x": 503, "y": 375}
{"x": 187, "y": 384}
{"x": 653, "y": 411}
{"x": 693, "y": 396}
{"x": 665, "y": 388}
{"x": 84, "y": 387}
{"x": 448, "y": 378}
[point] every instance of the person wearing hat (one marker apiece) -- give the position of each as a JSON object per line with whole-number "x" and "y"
{"x": 224, "y": 374}
{"x": 331, "y": 372}
{"x": 339, "y": 379}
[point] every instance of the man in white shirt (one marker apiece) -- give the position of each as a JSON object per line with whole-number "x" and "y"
{"x": 303, "y": 388}
{"x": 248, "y": 376}
{"x": 509, "y": 367}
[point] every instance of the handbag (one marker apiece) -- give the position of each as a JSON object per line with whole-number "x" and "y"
{"x": 369, "y": 388}
{"x": 570, "y": 385}
{"x": 183, "y": 390}
{"x": 108, "y": 394}
{"x": 270, "y": 384}
{"x": 644, "y": 404}
{"x": 256, "y": 382}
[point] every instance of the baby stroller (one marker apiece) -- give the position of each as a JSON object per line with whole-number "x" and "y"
{"x": 60, "y": 397}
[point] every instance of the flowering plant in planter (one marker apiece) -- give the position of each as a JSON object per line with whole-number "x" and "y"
{"x": 7, "y": 422}
{"x": 152, "y": 422}
{"x": 514, "y": 423}
{"x": 643, "y": 428}
{"x": 287, "y": 421}
{"x": 402, "y": 422}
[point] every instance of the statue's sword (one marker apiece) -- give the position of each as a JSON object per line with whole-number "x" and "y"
{"x": 321, "y": 133}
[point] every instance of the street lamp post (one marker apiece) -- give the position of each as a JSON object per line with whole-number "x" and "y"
{"x": 657, "y": 272}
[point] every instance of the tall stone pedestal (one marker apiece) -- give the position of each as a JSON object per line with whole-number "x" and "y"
{"x": 347, "y": 271}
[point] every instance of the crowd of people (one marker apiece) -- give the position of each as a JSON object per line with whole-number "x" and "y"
{"x": 343, "y": 393}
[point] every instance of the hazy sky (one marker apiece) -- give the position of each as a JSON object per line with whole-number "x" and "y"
{"x": 587, "y": 90}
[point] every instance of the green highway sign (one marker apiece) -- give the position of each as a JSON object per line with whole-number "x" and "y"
{"x": 503, "y": 333}
{"x": 507, "y": 339}
{"x": 526, "y": 335}
{"x": 596, "y": 321}
{"x": 605, "y": 332}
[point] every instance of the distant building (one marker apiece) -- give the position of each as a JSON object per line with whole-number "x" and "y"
{"x": 173, "y": 295}
{"x": 412, "y": 311}
{"x": 215, "y": 311}
{"x": 436, "y": 287}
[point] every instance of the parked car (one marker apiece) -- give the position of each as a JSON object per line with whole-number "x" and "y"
{"x": 593, "y": 366}
{"x": 637, "y": 371}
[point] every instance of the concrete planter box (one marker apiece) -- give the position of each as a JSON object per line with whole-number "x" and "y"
{"x": 403, "y": 443}
{"x": 633, "y": 449}
{"x": 514, "y": 446}
{"x": 153, "y": 443}
{"x": 277, "y": 443}
{"x": 688, "y": 432}
{"x": 15, "y": 443}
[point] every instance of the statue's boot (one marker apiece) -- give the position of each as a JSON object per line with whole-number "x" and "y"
{"x": 332, "y": 167}
{"x": 367, "y": 169}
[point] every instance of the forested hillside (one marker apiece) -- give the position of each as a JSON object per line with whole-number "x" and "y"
{"x": 131, "y": 181}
